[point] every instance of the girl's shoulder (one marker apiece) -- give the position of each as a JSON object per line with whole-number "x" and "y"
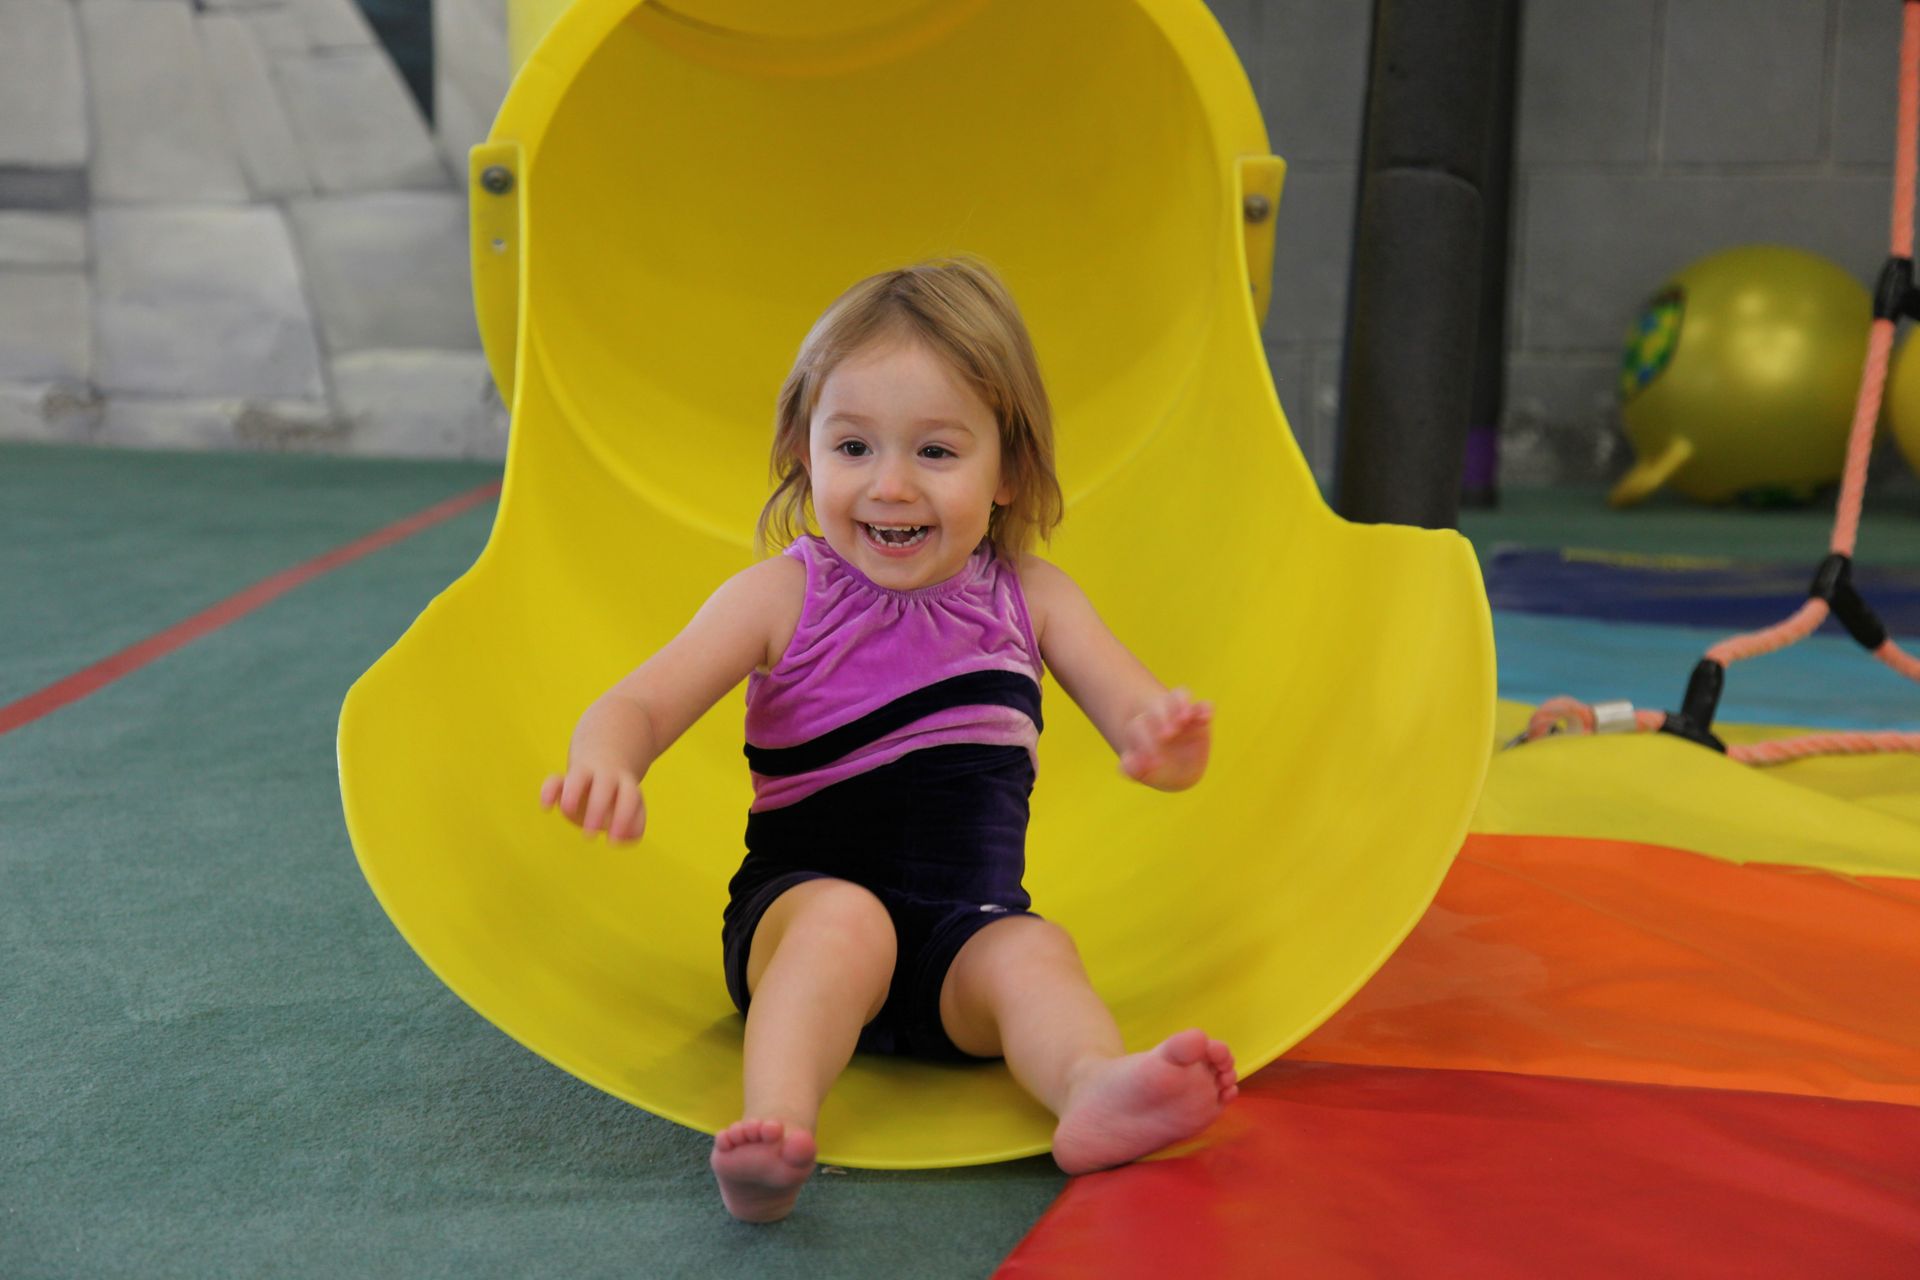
{"x": 1041, "y": 582}
{"x": 778, "y": 585}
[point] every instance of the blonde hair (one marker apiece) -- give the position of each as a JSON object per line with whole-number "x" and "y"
{"x": 961, "y": 312}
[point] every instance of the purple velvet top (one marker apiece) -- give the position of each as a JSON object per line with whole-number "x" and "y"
{"x": 872, "y": 673}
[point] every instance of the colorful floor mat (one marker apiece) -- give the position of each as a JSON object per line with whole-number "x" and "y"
{"x": 1663, "y": 1016}
{"x": 1451, "y": 1120}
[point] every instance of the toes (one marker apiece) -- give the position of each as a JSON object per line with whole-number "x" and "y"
{"x": 1185, "y": 1048}
{"x": 798, "y": 1150}
{"x": 742, "y": 1133}
{"x": 1222, "y": 1059}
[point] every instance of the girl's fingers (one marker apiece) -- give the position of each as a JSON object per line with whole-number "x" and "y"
{"x": 573, "y": 793}
{"x": 550, "y": 791}
{"x": 599, "y": 804}
{"x": 629, "y": 817}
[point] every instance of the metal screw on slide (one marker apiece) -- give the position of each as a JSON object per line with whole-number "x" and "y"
{"x": 497, "y": 179}
{"x": 1256, "y": 208}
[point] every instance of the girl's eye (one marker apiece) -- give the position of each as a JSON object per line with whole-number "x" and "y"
{"x": 853, "y": 448}
{"x": 938, "y": 451}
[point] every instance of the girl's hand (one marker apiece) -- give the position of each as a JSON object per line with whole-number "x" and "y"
{"x": 1166, "y": 745}
{"x": 598, "y": 799}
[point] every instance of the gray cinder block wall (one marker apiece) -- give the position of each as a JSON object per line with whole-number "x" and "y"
{"x": 1650, "y": 133}
{"x": 224, "y": 225}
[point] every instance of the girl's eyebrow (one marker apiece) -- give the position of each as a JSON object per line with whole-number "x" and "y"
{"x": 864, "y": 421}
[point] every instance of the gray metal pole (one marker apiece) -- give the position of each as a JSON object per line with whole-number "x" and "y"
{"x": 1435, "y": 104}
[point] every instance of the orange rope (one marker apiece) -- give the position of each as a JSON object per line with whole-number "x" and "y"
{"x": 1557, "y": 715}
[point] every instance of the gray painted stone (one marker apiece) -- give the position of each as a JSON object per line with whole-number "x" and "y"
{"x": 458, "y": 125}
{"x": 1312, "y": 247}
{"x": 1325, "y": 448}
{"x": 278, "y": 30}
{"x": 389, "y": 270}
{"x": 1596, "y": 245}
{"x": 21, "y": 416}
{"x": 44, "y": 189}
{"x": 1562, "y": 420}
{"x": 44, "y": 331}
{"x": 1295, "y": 376}
{"x": 358, "y": 126}
{"x": 202, "y": 302}
{"x": 43, "y": 98}
{"x": 268, "y": 150}
{"x": 160, "y": 135}
{"x": 42, "y": 239}
{"x": 266, "y": 425}
{"x": 48, "y": 413}
{"x": 1586, "y": 82}
{"x": 1310, "y": 73}
{"x": 471, "y": 73}
{"x": 420, "y": 404}
{"x": 334, "y": 24}
{"x": 1866, "y": 82}
{"x": 1742, "y": 81}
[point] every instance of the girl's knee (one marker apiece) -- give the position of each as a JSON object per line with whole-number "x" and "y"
{"x": 1037, "y": 937}
{"x": 1020, "y": 945}
{"x": 837, "y": 915}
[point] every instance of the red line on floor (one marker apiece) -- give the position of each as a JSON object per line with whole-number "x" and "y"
{"x": 131, "y": 659}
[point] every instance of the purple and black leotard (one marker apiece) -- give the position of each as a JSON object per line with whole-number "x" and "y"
{"x": 893, "y": 745}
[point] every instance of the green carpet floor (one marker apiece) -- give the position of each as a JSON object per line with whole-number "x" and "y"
{"x": 217, "y": 1057}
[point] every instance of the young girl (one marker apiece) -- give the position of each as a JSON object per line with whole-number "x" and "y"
{"x": 893, "y": 663}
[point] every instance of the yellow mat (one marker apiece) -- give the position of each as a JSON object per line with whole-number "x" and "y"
{"x": 678, "y": 192}
{"x": 1859, "y": 815}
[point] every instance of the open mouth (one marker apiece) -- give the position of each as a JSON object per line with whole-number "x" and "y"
{"x": 896, "y": 537}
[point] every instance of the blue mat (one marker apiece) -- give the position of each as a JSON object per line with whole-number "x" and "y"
{"x": 1824, "y": 681}
{"x": 1683, "y": 591}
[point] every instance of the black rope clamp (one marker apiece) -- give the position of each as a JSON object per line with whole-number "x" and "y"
{"x": 1834, "y": 584}
{"x": 1894, "y": 295}
{"x": 1694, "y": 720}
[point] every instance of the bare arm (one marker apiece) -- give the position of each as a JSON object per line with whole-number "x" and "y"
{"x": 1161, "y": 736}
{"x": 632, "y": 724}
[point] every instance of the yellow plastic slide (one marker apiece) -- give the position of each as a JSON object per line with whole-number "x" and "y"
{"x": 670, "y": 196}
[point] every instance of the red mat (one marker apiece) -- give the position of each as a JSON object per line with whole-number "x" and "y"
{"x": 1592, "y": 977}
{"x": 1327, "y": 1171}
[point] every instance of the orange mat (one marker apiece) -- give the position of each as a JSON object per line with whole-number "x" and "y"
{"x": 1387, "y": 1144}
{"x": 1615, "y": 961}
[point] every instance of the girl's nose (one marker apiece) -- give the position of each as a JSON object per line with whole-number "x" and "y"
{"x": 893, "y": 481}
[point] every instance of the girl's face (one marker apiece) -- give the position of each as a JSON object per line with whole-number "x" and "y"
{"x": 904, "y": 460}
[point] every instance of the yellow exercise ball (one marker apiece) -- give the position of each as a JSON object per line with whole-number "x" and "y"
{"x": 1901, "y": 410}
{"x": 1739, "y": 378}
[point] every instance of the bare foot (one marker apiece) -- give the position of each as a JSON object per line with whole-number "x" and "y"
{"x": 1127, "y": 1107}
{"x": 761, "y": 1166}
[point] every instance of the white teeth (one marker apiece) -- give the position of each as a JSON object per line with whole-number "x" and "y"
{"x": 918, "y": 534}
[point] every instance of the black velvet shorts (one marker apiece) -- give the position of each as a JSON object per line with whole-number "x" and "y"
{"x": 939, "y": 836}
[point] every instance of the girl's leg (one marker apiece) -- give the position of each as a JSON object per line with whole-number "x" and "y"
{"x": 818, "y": 971}
{"x": 1017, "y": 989}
